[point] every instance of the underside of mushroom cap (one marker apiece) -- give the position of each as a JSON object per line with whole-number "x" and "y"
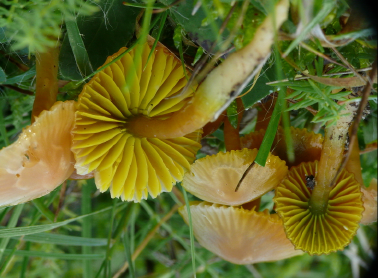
{"x": 214, "y": 178}
{"x": 369, "y": 197}
{"x": 41, "y": 158}
{"x": 319, "y": 233}
{"x": 133, "y": 166}
{"x": 237, "y": 235}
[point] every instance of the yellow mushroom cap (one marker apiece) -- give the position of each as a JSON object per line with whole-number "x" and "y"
{"x": 132, "y": 166}
{"x": 41, "y": 158}
{"x": 237, "y": 235}
{"x": 214, "y": 178}
{"x": 369, "y": 197}
{"x": 319, "y": 233}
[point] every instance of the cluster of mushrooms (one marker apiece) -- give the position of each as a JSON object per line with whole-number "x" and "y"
{"x": 137, "y": 126}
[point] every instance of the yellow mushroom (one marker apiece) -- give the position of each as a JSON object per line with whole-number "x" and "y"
{"x": 132, "y": 166}
{"x": 138, "y": 132}
{"x": 214, "y": 178}
{"x": 41, "y": 158}
{"x": 314, "y": 231}
{"x": 238, "y": 235}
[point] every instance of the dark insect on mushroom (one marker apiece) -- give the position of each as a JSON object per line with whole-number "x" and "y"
{"x": 310, "y": 181}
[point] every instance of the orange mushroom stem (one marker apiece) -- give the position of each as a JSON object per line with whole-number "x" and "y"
{"x": 330, "y": 159}
{"x": 46, "y": 89}
{"x": 219, "y": 86}
{"x": 211, "y": 127}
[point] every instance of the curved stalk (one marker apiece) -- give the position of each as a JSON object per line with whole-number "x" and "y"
{"x": 47, "y": 81}
{"x": 218, "y": 87}
{"x": 330, "y": 159}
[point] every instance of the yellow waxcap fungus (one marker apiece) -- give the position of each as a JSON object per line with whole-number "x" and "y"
{"x": 319, "y": 233}
{"x": 41, "y": 158}
{"x": 237, "y": 235}
{"x": 369, "y": 197}
{"x": 214, "y": 178}
{"x": 307, "y": 145}
{"x": 133, "y": 166}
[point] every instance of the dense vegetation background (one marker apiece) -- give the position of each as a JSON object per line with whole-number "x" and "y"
{"x": 77, "y": 232}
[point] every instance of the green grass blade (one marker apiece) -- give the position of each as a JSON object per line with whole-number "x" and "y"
{"x": 43, "y": 209}
{"x": 20, "y": 231}
{"x": 192, "y": 249}
{"x": 3, "y": 131}
{"x": 12, "y": 223}
{"x": 86, "y": 227}
{"x": 22, "y": 77}
{"x": 61, "y": 256}
{"x": 327, "y": 7}
{"x": 49, "y": 238}
{"x": 78, "y": 48}
{"x": 127, "y": 245}
{"x": 161, "y": 25}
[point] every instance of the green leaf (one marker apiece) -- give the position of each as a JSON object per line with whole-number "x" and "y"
{"x": 327, "y": 7}
{"x": 232, "y": 114}
{"x": 20, "y": 231}
{"x": 205, "y": 36}
{"x": 260, "y": 90}
{"x": 198, "y": 55}
{"x": 58, "y": 239}
{"x": 177, "y": 36}
{"x": 21, "y": 77}
{"x": 78, "y": 48}
{"x": 3, "y": 76}
{"x": 103, "y": 34}
{"x": 62, "y": 256}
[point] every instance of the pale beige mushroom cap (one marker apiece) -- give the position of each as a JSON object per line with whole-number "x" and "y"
{"x": 214, "y": 178}
{"x": 41, "y": 158}
{"x": 239, "y": 236}
{"x": 369, "y": 197}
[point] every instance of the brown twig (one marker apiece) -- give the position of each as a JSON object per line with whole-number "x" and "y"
{"x": 244, "y": 175}
{"x": 353, "y": 135}
{"x": 12, "y": 60}
{"x": 322, "y": 55}
{"x": 341, "y": 57}
{"x": 22, "y": 91}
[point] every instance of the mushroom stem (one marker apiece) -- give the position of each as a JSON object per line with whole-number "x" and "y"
{"x": 353, "y": 164}
{"x": 211, "y": 127}
{"x": 219, "y": 86}
{"x": 231, "y": 134}
{"x": 47, "y": 81}
{"x": 330, "y": 159}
